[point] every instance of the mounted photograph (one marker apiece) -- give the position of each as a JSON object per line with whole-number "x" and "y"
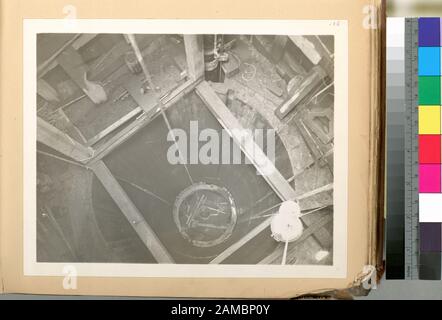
{"x": 222, "y": 154}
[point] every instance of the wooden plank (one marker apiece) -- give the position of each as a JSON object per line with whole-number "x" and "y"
{"x": 77, "y": 42}
{"x": 315, "y": 50}
{"x": 194, "y": 55}
{"x": 47, "y": 92}
{"x": 308, "y": 48}
{"x": 73, "y": 129}
{"x": 247, "y": 144}
{"x": 58, "y": 140}
{"x": 313, "y": 80}
{"x": 114, "y": 126}
{"x": 130, "y": 211}
{"x": 235, "y": 247}
{"x": 42, "y": 69}
{"x": 327, "y": 61}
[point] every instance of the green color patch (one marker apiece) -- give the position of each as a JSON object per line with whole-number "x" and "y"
{"x": 429, "y": 91}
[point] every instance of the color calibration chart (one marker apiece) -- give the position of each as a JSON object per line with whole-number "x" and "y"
{"x": 430, "y": 147}
{"x": 414, "y": 149}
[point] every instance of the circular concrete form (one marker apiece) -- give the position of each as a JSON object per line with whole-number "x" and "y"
{"x": 205, "y": 215}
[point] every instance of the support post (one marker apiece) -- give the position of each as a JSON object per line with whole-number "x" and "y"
{"x": 195, "y": 55}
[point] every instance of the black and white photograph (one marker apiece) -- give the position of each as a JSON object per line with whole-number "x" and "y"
{"x": 169, "y": 149}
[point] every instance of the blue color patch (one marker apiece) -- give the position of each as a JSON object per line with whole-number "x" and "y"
{"x": 429, "y": 61}
{"x": 429, "y": 32}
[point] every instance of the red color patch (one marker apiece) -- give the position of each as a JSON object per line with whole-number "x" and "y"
{"x": 430, "y": 149}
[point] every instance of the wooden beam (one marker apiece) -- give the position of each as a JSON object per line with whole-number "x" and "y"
{"x": 313, "y": 80}
{"x": 194, "y": 55}
{"x": 58, "y": 140}
{"x": 130, "y": 211}
{"x": 235, "y": 247}
{"x": 77, "y": 41}
{"x": 115, "y": 126}
{"x": 327, "y": 61}
{"x": 316, "y": 51}
{"x": 247, "y": 144}
{"x": 42, "y": 69}
{"x": 308, "y": 48}
{"x": 47, "y": 92}
{"x": 254, "y": 153}
{"x": 71, "y": 129}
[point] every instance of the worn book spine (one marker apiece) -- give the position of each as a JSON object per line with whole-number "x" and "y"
{"x": 376, "y": 192}
{"x": 377, "y": 141}
{"x": 374, "y": 269}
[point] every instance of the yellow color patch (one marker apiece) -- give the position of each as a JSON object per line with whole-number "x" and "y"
{"x": 429, "y": 120}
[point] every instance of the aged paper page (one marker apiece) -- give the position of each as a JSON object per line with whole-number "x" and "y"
{"x": 20, "y": 264}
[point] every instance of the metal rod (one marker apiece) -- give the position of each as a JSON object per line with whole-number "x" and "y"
{"x": 284, "y": 256}
{"x": 146, "y": 191}
{"x": 140, "y": 59}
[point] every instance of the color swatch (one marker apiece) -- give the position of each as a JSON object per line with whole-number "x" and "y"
{"x": 430, "y": 147}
